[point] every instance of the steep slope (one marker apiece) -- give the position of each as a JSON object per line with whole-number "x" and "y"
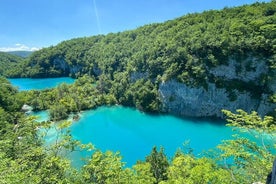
{"x": 199, "y": 63}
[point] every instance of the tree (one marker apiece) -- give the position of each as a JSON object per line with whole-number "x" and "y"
{"x": 104, "y": 168}
{"x": 58, "y": 112}
{"x": 252, "y": 162}
{"x": 159, "y": 164}
{"x": 186, "y": 168}
{"x": 143, "y": 174}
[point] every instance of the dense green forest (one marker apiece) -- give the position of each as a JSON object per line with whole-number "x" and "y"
{"x": 8, "y": 62}
{"x": 127, "y": 68}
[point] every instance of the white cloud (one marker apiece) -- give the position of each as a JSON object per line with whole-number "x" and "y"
{"x": 18, "y": 47}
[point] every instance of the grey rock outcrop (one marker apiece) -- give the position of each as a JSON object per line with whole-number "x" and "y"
{"x": 60, "y": 64}
{"x": 180, "y": 99}
{"x": 27, "y": 109}
{"x": 250, "y": 69}
{"x": 184, "y": 100}
{"x": 75, "y": 69}
{"x": 138, "y": 75}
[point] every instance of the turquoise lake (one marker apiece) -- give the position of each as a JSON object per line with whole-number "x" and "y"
{"x": 131, "y": 132}
{"x": 134, "y": 133}
{"x": 39, "y": 84}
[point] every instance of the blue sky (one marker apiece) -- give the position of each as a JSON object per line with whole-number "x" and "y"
{"x": 32, "y": 24}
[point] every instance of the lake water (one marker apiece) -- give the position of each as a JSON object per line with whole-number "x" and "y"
{"x": 132, "y": 132}
{"x": 135, "y": 133}
{"x": 39, "y": 84}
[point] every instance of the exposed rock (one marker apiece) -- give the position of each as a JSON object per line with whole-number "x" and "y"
{"x": 134, "y": 76}
{"x": 76, "y": 117}
{"x": 249, "y": 69}
{"x": 60, "y": 64}
{"x": 184, "y": 100}
{"x": 75, "y": 69}
{"x": 27, "y": 109}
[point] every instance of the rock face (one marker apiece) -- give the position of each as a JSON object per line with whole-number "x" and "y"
{"x": 250, "y": 69}
{"x": 75, "y": 69}
{"x": 60, "y": 64}
{"x": 27, "y": 109}
{"x": 138, "y": 75}
{"x": 183, "y": 100}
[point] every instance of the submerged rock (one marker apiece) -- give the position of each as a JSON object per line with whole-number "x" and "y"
{"x": 76, "y": 117}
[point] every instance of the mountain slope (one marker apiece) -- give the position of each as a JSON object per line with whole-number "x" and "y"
{"x": 9, "y": 63}
{"x": 23, "y": 54}
{"x": 218, "y": 55}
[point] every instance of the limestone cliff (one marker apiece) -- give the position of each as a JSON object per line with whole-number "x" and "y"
{"x": 184, "y": 100}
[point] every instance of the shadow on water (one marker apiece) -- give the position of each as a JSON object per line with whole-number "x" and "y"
{"x": 198, "y": 120}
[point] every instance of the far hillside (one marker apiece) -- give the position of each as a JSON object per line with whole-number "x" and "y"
{"x": 23, "y": 54}
{"x": 9, "y": 64}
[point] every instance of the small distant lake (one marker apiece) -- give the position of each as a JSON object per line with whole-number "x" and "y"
{"x": 39, "y": 84}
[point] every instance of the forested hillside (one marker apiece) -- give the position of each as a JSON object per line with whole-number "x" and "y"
{"x": 23, "y": 54}
{"x": 227, "y": 54}
{"x": 9, "y": 63}
{"x": 184, "y": 48}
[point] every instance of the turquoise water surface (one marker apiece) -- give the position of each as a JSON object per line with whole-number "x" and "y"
{"x": 134, "y": 133}
{"x": 39, "y": 84}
